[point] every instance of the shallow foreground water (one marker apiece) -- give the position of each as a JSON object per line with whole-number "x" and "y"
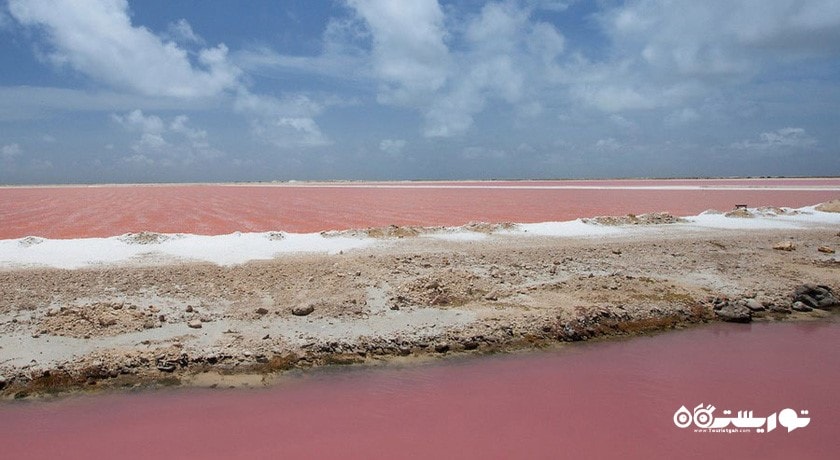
{"x": 599, "y": 400}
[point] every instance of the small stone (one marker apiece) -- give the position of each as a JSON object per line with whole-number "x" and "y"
{"x": 107, "y": 321}
{"x": 784, "y": 246}
{"x": 162, "y": 318}
{"x": 442, "y": 347}
{"x": 303, "y": 310}
{"x": 166, "y": 366}
{"x": 616, "y": 252}
{"x": 195, "y": 324}
{"x": 262, "y": 311}
{"x": 825, "y": 249}
{"x": 189, "y": 309}
{"x": 754, "y": 305}
{"x": 470, "y": 345}
{"x": 799, "y": 306}
{"x": 734, "y": 313}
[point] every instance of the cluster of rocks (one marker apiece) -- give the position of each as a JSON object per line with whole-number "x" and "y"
{"x": 809, "y": 296}
{"x": 805, "y": 298}
{"x": 444, "y": 288}
{"x": 656, "y": 218}
{"x": 99, "y": 318}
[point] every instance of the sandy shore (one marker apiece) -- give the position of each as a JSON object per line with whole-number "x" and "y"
{"x": 204, "y": 324}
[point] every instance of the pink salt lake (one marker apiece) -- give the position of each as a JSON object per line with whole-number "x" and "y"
{"x": 596, "y": 400}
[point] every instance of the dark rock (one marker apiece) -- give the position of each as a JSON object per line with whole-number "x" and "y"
{"x": 470, "y": 345}
{"x": 303, "y": 310}
{"x": 442, "y": 347}
{"x": 815, "y": 296}
{"x": 189, "y": 309}
{"x": 166, "y": 366}
{"x": 262, "y": 311}
{"x": 2, "y": 382}
{"x": 735, "y": 314}
{"x": 799, "y": 306}
{"x": 807, "y": 300}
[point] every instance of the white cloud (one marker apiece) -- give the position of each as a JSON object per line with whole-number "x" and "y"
{"x": 135, "y": 120}
{"x": 284, "y": 122}
{"x": 392, "y": 146}
{"x": 409, "y": 53}
{"x": 785, "y": 138}
{"x": 9, "y": 152}
{"x": 671, "y": 51}
{"x": 97, "y": 38}
{"x": 166, "y": 144}
{"x": 181, "y": 32}
{"x": 502, "y": 55}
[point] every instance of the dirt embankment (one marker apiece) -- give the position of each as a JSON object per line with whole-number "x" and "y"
{"x": 117, "y": 326}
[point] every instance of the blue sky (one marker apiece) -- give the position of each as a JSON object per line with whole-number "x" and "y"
{"x": 177, "y": 90}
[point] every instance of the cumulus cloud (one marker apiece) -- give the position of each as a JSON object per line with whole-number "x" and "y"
{"x": 166, "y": 144}
{"x": 392, "y": 146}
{"x": 665, "y": 54}
{"x": 501, "y": 53}
{"x": 97, "y": 38}
{"x": 409, "y": 54}
{"x": 285, "y": 122}
{"x": 784, "y": 138}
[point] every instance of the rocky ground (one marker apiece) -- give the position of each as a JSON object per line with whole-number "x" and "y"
{"x": 412, "y": 296}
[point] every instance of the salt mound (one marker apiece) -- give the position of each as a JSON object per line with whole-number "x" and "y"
{"x": 486, "y": 227}
{"x": 30, "y": 241}
{"x": 829, "y": 206}
{"x": 740, "y": 213}
{"x": 145, "y": 238}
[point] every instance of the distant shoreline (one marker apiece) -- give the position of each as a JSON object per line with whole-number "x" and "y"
{"x": 293, "y": 182}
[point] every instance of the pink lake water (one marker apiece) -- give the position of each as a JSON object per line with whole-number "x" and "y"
{"x": 597, "y": 400}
